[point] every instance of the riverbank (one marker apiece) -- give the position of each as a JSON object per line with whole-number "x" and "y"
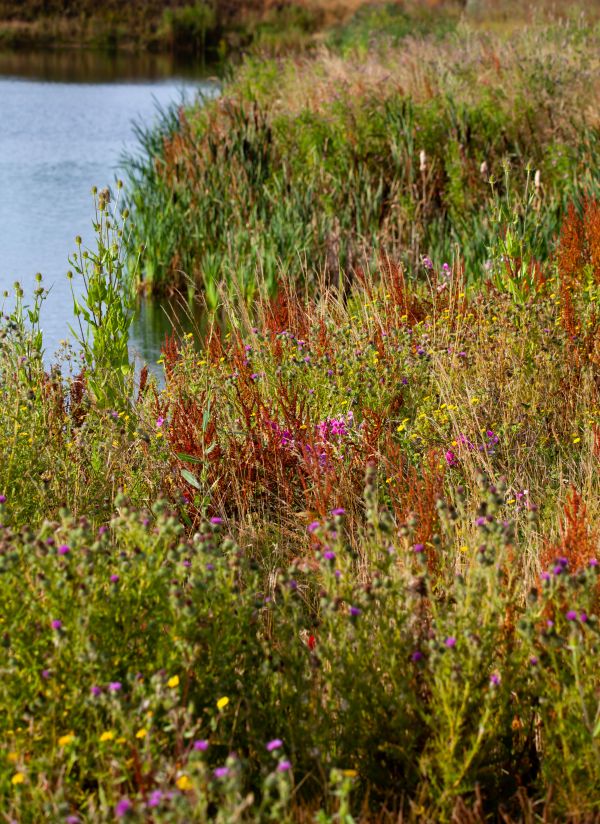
{"x": 417, "y": 145}
{"x": 342, "y": 564}
{"x": 208, "y": 27}
{"x": 214, "y": 29}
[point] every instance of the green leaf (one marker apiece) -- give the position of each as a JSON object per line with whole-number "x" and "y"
{"x": 190, "y": 479}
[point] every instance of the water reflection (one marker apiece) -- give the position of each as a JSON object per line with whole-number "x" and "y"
{"x": 155, "y": 319}
{"x": 86, "y": 66}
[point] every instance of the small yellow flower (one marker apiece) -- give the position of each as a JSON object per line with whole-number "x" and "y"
{"x": 141, "y": 733}
{"x": 222, "y": 702}
{"x": 18, "y": 778}
{"x": 173, "y": 682}
{"x": 65, "y": 740}
{"x": 184, "y": 783}
{"x": 13, "y": 756}
{"x": 107, "y": 736}
{"x": 121, "y": 740}
{"x": 349, "y": 773}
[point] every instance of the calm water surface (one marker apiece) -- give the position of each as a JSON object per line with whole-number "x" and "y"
{"x": 65, "y": 121}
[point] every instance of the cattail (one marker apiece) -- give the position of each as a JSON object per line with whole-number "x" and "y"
{"x": 537, "y": 180}
{"x": 422, "y": 161}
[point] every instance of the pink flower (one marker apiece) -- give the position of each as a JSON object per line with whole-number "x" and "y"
{"x": 451, "y": 458}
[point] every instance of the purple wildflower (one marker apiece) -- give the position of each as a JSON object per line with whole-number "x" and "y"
{"x": 221, "y": 772}
{"x": 593, "y": 562}
{"x": 419, "y": 548}
{"x": 155, "y": 798}
{"x": 284, "y": 766}
{"x": 115, "y": 686}
{"x": 216, "y": 521}
{"x": 314, "y": 526}
{"x": 2, "y": 499}
{"x": 494, "y": 679}
{"x": 329, "y": 555}
{"x": 159, "y": 421}
{"x": 201, "y": 746}
{"x": 46, "y": 674}
{"x": 338, "y": 511}
{"x": 96, "y": 691}
{"x": 275, "y": 744}
{"x": 451, "y": 458}
{"x": 533, "y": 660}
{"x": 416, "y": 655}
{"x": 571, "y": 615}
{"x": 123, "y": 807}
{"x": 450, "y": 642}
{"x": 355, "y": 612}
{"x": 63, "y": 549}
{"x": 583, "y": 617}
{"x": 114, "y": 579}
{"x": 56, "y": 624}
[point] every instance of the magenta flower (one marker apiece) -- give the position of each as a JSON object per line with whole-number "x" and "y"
{"x": 275, "y": 744}
{"x": 56, "y": 624}
{"x": 338, "y": 511}
{"x": 63, "y": 549}
{"x": 419, "y": 548}
{"x": 114, "y": 579}
{"x": 115, "y": 686}
{"x": 314, "y": 526}
{"x": 123, "y": 807}
{"x": 494, "y": 679}
{"x": 451, "y": 458}
{"x": 159, "y": 422}
{"x": 96, "y": 691}
{"x": 284, "y": 766}
{"x": 450, "y": 642}
{"x": 216, "y": 521}
{"x": 571, "y": 615}
{"x": 2, "y": 499}
{"x": 221, "y": 772}
{"x": 201, "y": 746}
{"x": 155, "y": 798}
{"x": 329, "y": 555}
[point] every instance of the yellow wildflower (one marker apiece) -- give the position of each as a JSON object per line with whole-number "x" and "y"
{"x": 141, "y": 733}
{"x": 184, "y": 783}
{"x": 65, "y": 740}
{"x": 173, "y": 682}
{"x": 107, "y": 736}
{"x": 18, "y": 778}
{"x": 222, "y": 702}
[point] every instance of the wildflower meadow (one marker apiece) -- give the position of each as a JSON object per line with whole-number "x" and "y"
{"x": 336, "y": 557}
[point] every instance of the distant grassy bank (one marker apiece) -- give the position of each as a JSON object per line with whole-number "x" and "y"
{"x": 182, "y": 25}
{"x": 219, "y": 27}
{"x": 458, "y": 138}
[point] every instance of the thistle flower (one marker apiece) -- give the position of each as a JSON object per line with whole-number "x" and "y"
{"x": 275, "y": 744}
{"x": 123, "y": 807}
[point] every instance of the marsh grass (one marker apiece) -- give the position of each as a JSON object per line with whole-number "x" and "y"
{"x": 336, "y": 160}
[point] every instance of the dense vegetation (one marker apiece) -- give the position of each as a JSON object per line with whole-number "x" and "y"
{"x": 450, "y": 146}
{"x": 341, "y": 564}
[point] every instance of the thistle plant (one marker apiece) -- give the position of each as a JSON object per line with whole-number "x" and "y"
{"x": 105, "y": 309}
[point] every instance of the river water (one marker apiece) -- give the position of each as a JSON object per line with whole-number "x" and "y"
{"x": 66, "y": 119}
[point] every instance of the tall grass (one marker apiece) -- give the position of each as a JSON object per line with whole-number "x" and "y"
{"x": 334, "y": 161}
{"x": 368, "y": 590}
